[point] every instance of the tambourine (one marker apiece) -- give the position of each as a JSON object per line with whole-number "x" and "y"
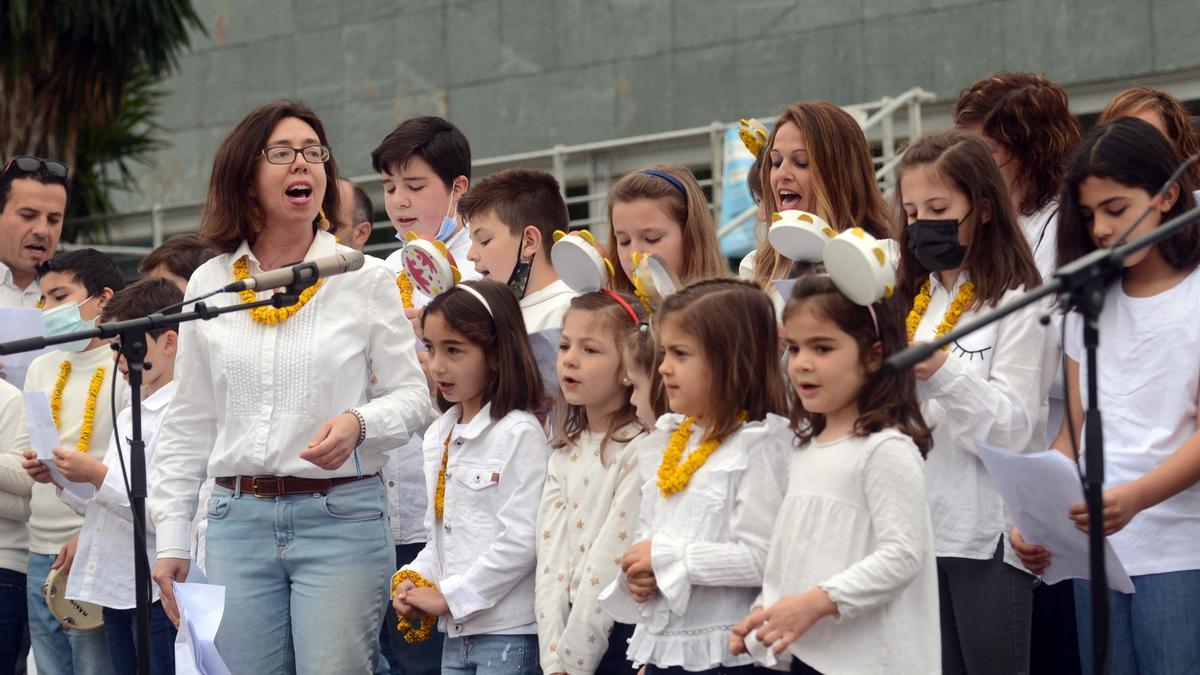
{"x": 71, "y": 614}
{"x": 861, "y": 266}
{"x": 652, "y": 280}
{"x": 799, "y": 235}
{"x": 429, "y": 265}
{"x": 578, "y": 263}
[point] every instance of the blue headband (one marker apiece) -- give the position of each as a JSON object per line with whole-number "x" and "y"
{"x": 667, "y": 177}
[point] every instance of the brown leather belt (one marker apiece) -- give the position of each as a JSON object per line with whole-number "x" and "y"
{"x": 279, "y": 486}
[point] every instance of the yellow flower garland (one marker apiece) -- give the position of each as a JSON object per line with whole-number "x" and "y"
{"x": 672, "y": 475}
{"x": 270, "y": 315}
{"x": 89, "y": 407}
{"x": 64, "y": 371}
{"x": 962, "y": 300}
{"x": 439, "y": 494}
{"x": 413, "y": 635}
{"x": 406, "y": 289}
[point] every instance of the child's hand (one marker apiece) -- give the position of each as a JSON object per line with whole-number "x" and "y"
{"x": 737, "y": 636}
{"x": 80, "y": 467}
{"x": 34, "y": 467}
{"x": 737, "y": 644}
{"x": 925, "y": 369}
{"x": 66, "y": 556}
{"x": 1121, "y": 504}
{"x": 429, "y": 601}
{"x": 639, "y": 571}
{"x": 1035, "y": 558}
{"x": 414, "y": 315}
{"x": 400, "y": 601}
{"x": 784, "y": 622}
{"x": 333, "y": 442}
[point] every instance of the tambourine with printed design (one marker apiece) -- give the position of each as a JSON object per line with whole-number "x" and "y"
{"x": 429, "y": 265}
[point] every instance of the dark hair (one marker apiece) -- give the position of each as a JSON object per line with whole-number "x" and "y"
{"x": 231, "y": 215}
{"x": 1174, "y": 114}
{"x": 754, "y": 179}
{"x": 886, "y": 399}
{"x": 516, "y": 383}
{"x": 519, "y": 198}
{"x": 443, "y": 147}
{"x": 87, "y": 266}
{"x": 998, "y": 256}
{"x": 364, "y": 210}
{"x": 40, "y": 175}
{"x": 1133, "y": 153}
{"x": 143, "y": 298}
{"x": 1029, "y": 116}
{"x": 687, "y": 206}
{"x": 734, "y": 322}
{"x": 181, "y": 256}
{"x": 641, "y": 353}
{"x": 571, "y": 420}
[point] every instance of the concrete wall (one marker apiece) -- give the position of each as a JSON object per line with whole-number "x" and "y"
{"x": 527, "y": 74}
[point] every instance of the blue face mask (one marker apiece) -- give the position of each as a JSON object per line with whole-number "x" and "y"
{"x": 65, "y": 319}
{"x": 444, "y": 231}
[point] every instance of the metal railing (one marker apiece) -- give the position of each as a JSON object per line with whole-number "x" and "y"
{"x": 592, "y": 167}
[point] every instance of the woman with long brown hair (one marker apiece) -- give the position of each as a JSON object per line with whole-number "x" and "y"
{"x": 291, "y": 411}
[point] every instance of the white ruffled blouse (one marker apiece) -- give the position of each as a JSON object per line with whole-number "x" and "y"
{"x": 708, "y": 545}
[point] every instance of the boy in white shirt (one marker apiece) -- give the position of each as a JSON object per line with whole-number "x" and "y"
{"x": 512, "y": 216}
{"x": 77, "y": 376}
{"x": 104, "y": 566}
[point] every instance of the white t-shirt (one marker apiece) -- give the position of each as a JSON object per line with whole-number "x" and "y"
{"x": 855, "y": 522}
{"x": 544, "y": 309}
{"x": 1149, "y": 380}
{"x": 1041, "y": 231}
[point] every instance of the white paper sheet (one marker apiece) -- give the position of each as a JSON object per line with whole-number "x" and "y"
{"x": 1039, "y": 489}
{"x": 17, "y": 324}
{"x": 43, "y": 438}
{"x": 200, "y": 609}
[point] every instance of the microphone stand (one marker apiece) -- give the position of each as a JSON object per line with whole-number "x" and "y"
{"x": 132, "y": 334}
{"x": 1082, "y": 285}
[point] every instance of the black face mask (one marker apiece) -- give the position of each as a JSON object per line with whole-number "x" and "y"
{"x": 518, "y": 281}
{"x": 935, "y": 244}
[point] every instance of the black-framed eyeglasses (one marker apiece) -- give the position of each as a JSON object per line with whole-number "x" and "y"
{"x": 282, "y": 154}
{"x": 31, "y": 164}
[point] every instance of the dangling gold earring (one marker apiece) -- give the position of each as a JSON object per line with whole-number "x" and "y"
{"x": 323, "y": 223}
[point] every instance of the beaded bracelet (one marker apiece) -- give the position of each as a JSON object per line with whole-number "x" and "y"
{"x": 362, "y": 425}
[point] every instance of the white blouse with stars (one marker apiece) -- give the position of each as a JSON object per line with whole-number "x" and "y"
{"x": 992, "y": 388}
{"x": 587, "y": 520}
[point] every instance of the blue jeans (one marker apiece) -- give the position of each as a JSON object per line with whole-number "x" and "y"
{"x": 306, "y": 578}
{"x": 422, "y": 658}
{"x": 491, "y": 655}
{"x": 120, "y": 630}
{"x": 57, "y": 651}
{"x": 14, "y": 623}
{"x": 1154, "y": 630}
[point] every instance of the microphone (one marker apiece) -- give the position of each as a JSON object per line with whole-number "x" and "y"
{"x": 303, "y": 274}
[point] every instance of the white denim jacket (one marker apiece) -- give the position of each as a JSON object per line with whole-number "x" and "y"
{"x": 482, "y": 553}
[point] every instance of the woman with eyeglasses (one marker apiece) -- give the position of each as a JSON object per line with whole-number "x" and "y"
{"x": 277, "y": 405}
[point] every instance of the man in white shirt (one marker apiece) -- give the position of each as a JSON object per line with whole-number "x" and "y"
{"x": 33, "y": 198}
{"x": 15, "y": 486}
{"x": 355, "y": 218}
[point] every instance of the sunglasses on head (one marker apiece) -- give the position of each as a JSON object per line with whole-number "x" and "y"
{"x": 30, "y": 164}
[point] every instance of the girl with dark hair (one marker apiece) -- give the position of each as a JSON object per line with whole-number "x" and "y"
{"x": 1149, "y": 376}
{"x": 853, "y": 538}
{"x": 485, "y": 462}
{"x": 712, "y": 480}
{"x": 292, "y": 411}
{"x": 963, "y": 254}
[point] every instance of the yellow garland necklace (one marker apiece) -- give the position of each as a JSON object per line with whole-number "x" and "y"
{"x": 406, "y": 289}
{"x": 89, "y": 407}
{"x": 270, "y": 315}
{"x": 413, "y": 635}
{"x": 672, "y": 475}
{"x": 439, "y": 494}
{"x": 962, "y": 300}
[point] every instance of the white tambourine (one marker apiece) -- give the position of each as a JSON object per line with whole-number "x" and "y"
{"x": 429, "y": 265}
{"x": 652, "y": 280}
{"x": 578, "y": 263}
{"x": 799, "y": 235}
{"x": 71, "y": 614}
{"x": 862, "y": 267}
